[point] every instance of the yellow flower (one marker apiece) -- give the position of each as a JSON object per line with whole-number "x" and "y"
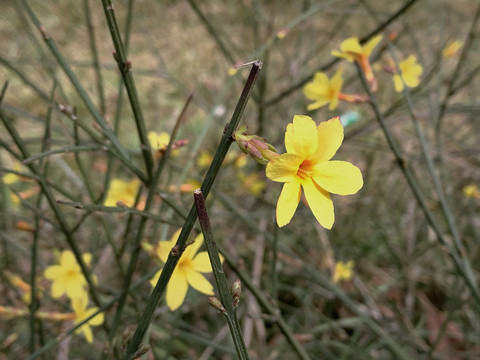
{"x": 253, "y": 182}
{"x": 122, "y": 191}
{"x": 411, "y": 71}
{"x": 324, "y": 90}
{"x": 471, "y": 191}
{"x": 158, "y": 141}
{"x": 306, "y": 165}
{"x": 188, "y": 271}
{"x": 451, "y": 49}
{"x": 204, "y": 159}
{"x": 67, "y": 277}
{"x": 79, "y": 305}
{"x": 351, "y": 50}
{"x": 12, "y": 178}
{"x": 343, "y": 271}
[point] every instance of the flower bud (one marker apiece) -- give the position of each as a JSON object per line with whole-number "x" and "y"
{"x": 142, "y": 350}
{"x": 216, "y": 304}
{"x": 255, "y": 146}
{"x": 236, "y": 291}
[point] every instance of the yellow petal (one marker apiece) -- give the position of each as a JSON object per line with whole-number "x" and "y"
{"x": 336, "y": 84}
{"x": 52, "y": 272}
{"x": 87, "y": 332}
{"x": 164, "y": 247}
{"x": 192, "y": 249}
{"x": 154, "y": 279}
{"x": 333, "y": 104}
{"x": 339, "y": 54}
{"x": 398, "y": 83}
{"x": 338, "y": 177}
{"x": 330, "y": 137}
{"x": 201, "y": 263}
{"x": 318, "y": 88}
{"x": 317, "y": 105}
{"x": 351, "y": 46}
{"x": 199, "y": 283}
{"x": 320, "y": 203}
{"x": 287, "y": 202}
{"x": 67, "y": 259}
{"x": 97, "y": 319}
{"x": 370, "y": 45}
{"x": 300, "y": 137}
{"x": 58, "y": 289}
{"x": 283, "y": 168}
{"x": 176, "y": 290}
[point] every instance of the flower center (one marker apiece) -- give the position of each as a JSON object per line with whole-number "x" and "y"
{"x": 305, "y": 170}
{"x": 185, "y": 265}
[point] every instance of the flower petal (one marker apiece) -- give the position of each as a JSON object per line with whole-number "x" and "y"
{"x": 338, "y": 177}
{"x": 319, "y": 202}
{"x": 87, "y": 332}
{"x": 370, "y": 45}
{"x": 97, "y": 319}
{"x": 287, "y": 202}
{"x": 330, "y": 137}
{"x": 164, "y": 247}
{"x": 300, "y": 136}
{"x": 176, "y": 290}
{"x": 67, "y": 259}
{"x": 200, "y": 283}
{"x": 318, "y": 88}
{"x": 339, "y": 54}
{"x": 351, "y": 46}
{"x": 201, "y": 263}
{"x": 52, "y": 272}
{"x": 192, "y": 249}
{"x": 336, "y": 83}
{"x": 283, "y": 168}
{"x": 398, "y": 83}
{"x": 317, "y": 105}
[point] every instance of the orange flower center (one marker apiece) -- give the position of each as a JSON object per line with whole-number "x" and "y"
{"x": 305, "y": 169}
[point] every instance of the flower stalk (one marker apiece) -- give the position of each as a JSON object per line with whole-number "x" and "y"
{"x": 226, "y": 298}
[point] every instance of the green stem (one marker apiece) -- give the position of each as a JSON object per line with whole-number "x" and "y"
{"x": 125, "y": 69}
{"x": 459, "y": 260}
{"x": 220, "y": 278}
{"x": 212, "y": 172}
{"x": 365, "y": 38}
{"x": 123, "y": 153}
{"x": 95, "y": 58}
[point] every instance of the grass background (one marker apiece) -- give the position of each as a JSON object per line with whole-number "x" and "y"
{"x": 404, "y": 282}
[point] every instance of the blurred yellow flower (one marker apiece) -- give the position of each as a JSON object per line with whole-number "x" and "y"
{"x": 351, "y": 50}
{"x": 411, "y": 71}
{"x": 343, "y": 271}
{"x": 158, "y": 141}
{"x": 12, "y": 178}
{"x": 306, "y": 165}
{"x": 67, "y": 277}
{"x": 451, "y": 49}
{"x": 204, "y": 159}
{"x": 324, "y": 90}
{"x": 254, "y": 183}
{"x": 188, "y": 271}
{"x": 79, "y": 305}
{"x": 328, "y": 91}
{"x": 471, "y": 191}
{"x": 122, "y": 191}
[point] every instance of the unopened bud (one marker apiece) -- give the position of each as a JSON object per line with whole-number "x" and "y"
{"x": 216, "y": 304}
{"x": 142, "y": 350}
{"x": 126, "y": 336}
{"x": 255, "y": 146}
{"x": 236, "y": 292}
